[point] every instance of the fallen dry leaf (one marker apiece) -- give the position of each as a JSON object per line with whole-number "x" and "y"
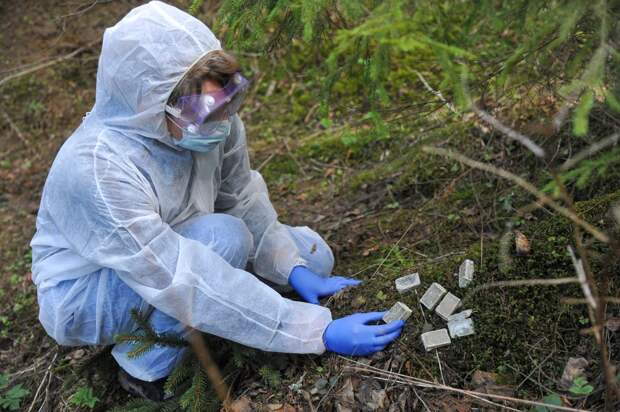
{"x": 522, "y": 244}
{"x": 483, "y": 378}
{"x": 574, "y": 368}
{"x": 345, "y": 397}
{"x": 242, "y": 404}
{"x": 281, "y": 407}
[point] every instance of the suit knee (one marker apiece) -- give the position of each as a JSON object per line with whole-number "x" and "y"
{"x": 227, "y": 235}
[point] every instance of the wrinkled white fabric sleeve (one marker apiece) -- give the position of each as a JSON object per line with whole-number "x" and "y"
{"x": 243, "y": 194}
{"x": 109, "y": 214}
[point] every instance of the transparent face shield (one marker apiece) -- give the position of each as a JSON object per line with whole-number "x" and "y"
{"x": 199, "y": 113}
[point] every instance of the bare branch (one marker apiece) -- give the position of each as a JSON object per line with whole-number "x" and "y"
{"x": 583, "y": 301}
{"x": 589, "y": 151}
{"x": 542, "y": 198}
{"x": 581, "y": 275}
{"x": 46, "y": 64}
{"x": 510, "y": 133}
{"x": 410, "y": 380}
{"x": 436, "y": 93}
{"x": 526, "y": 282}
{"x": 45, "y": 378}
{"x": 16, "y": 129}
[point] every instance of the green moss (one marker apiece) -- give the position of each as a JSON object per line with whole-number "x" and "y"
{"x": 517, "y": 327}
{"x": 280, "y": 168}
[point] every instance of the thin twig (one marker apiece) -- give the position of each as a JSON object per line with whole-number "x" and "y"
{"x": 540, "y": 365}
{"x": 290, "y": 153}
{"x": 440, "y": 369}
{"x": 84, "y": 9}
{"x": 589, "y": 151}
{"x": 318, "y": 406}
{"x": 393, "y": 248}
{"x": 596, "y": 306}
{"x": 271, "y": 156}
{"x": 13, "y": 126}
{"x": 583, "y": 301}
{"x": 510, "y": 133}
{"x": 527, "y": 377}
{"x": 435, "y": 259}
{"x": 526, "y": 282}
{"x": 409, "y": 380}
{"x": 46, "y": 64}
{"x": 45, "y": 377}
{"x": 437, "y": 93}
{"x": 542, "y": 198}
{"x": 420, "y": 399}
{"x": 581, "y": 275}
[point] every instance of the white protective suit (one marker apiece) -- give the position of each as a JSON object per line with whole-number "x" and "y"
{"x": 119, "y": 184}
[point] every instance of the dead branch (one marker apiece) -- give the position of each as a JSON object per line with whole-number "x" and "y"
{"x": 45, "y": 378}
{"x": 589, "y": 151}
{"x": 596, "y": 306}
{"x": 583, "y": 301}
{"x": 16, "y": 129}
{"x": 581, "y": 275}
{"x": 510, "y": 133}
{"x": 410, "y": 380}
{"x": 47, "y": 64}
{"x": 437, "y": 93}
{"x": 543, "y": 198}
{"x": 526, "y": 282}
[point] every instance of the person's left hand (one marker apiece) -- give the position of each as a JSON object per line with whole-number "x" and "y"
{"x": 311, "y": 286}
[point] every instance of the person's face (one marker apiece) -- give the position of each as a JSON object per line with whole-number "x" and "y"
{"x": 208, "y": 86}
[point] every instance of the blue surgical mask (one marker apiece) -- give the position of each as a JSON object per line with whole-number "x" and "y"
{"x": 205, "y": 141}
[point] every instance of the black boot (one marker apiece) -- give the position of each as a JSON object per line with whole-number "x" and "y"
{"x": 153, "y": 391}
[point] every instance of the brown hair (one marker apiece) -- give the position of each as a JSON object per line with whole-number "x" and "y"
{"x": 216, "y": 65}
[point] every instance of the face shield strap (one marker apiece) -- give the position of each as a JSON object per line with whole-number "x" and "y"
{"x": 172, "y": 111}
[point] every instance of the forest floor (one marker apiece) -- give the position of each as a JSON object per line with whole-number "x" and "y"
{"x": 386, "y": 208}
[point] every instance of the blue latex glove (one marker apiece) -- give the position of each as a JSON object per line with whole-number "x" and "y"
{"x": 311, "y": 286}
{"x": 352, "y": 336}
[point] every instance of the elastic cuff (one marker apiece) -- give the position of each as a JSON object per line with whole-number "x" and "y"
{"x": 292, "y": 269}
{"x": 324, "y": 341}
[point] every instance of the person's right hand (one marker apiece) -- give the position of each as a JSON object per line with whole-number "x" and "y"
{"x": 352, "y": 336}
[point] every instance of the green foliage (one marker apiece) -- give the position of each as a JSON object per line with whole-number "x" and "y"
{"x": 4, "y": 328}
{"x": 270, "y": 376}
{"x": 199, "y": 397}
{"x": 11, "y": 399}
{"x": 581, "y": 387}
{"x": 587, "y": 171}
{"x": 551, "y": 399}
{"x": 181, "y": 374}
{"x": 188, "y": 378}
{"x": 195, "y": 6}
{"x": 379, "y": 45}
{"x": 580, "y": 121}
{"x": 84, "y": 398}
{"x": 145, "y": 339}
